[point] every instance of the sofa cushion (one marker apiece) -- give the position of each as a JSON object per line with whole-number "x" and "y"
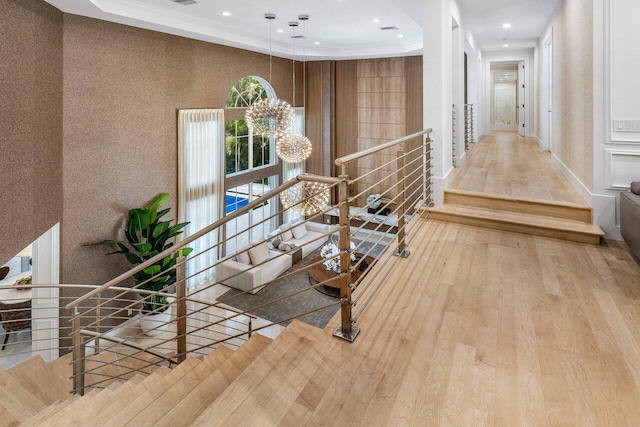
{"x": 299, "y": 231}
{"x": 243, "y": 257}
{"x": 635, "y": 187}
{"x": 259, "y": 253}
{"x": 286, "y": 232}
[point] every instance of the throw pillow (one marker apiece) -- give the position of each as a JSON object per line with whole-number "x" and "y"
{"x": 299, "y": 231}
{"x": 259, "y": 253}
{"x": 286, "y": 232}
{"x": 635, "y": 187}
{"x": 243, "y": 257}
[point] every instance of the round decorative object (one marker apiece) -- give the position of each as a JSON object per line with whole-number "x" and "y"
{"x": 306, "y": 198}
{"x": 293, "y": 148}
{"x": 270, "y": 118}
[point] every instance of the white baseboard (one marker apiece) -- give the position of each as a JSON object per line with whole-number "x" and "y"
{"x": 604, "y": 206}
{"x": 459, "y": 161}
{"x": 539, "y": 141}
{"x": 438, "y": 185}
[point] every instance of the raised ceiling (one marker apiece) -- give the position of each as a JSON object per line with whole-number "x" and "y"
{"x": 344, "y": 28}
{"x": 485, "y": 18}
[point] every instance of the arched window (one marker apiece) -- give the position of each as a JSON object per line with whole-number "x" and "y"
{"x": 245, "y": 151}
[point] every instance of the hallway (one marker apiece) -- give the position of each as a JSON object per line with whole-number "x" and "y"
{"x": 507, "y": 164}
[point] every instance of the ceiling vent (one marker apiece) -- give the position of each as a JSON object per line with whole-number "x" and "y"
{"x": 185, "y": 2}
{"x": 389, "y": 28}
{"x": 298, "y": 37}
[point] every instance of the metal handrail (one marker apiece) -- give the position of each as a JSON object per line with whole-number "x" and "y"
{"x": 221, "y": 222}
{"x": 342, "y": 161}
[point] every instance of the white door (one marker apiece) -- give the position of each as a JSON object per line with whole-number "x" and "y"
{"x": 521, "y": 99}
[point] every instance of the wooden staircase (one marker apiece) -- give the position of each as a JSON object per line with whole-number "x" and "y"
{"x": 566, "y": 221}
{"x": 286, "y": 381}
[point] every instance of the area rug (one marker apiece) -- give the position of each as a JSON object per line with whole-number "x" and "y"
{"x": 297, "y": 304}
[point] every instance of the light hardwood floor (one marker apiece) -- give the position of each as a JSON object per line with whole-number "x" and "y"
{"x": 508, "y": 164}
{"x": 486, "y": 327}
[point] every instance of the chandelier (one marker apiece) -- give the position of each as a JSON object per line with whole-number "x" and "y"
{"x": 294, "y": 148}
{"x": 270, "y": 118}
{"x": 306, "y": 198}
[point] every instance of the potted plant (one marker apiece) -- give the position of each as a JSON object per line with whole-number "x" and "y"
{"x": 147, "y": 236}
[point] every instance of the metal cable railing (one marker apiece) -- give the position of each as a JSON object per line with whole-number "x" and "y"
{"x": 469, "y": 125}
{"x": 255, "y": 272}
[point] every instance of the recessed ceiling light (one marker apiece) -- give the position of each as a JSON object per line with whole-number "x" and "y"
{"x": 376, "y": 20}
{"x": 505, "y": 45}
{"x": 280, "y": 30}
{"x": 316, "y": 43}
{"x": 506, "y": 25}
{"x": 400, "y": 36}
{"x": 226, "y": 14}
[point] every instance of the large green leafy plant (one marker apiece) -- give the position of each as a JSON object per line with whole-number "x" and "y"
{"x": 147, "y": 236}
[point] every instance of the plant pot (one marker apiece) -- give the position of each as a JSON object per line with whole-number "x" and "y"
{"x": 154, "y": 324}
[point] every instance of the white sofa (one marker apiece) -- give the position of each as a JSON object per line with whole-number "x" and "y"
{"x": 251, "y": 277}
{"x": 308, "y": 242}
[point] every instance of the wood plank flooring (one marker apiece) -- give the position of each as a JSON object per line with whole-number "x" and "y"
{"x": 486, "y": 327}
{"x": 506, "y": 163}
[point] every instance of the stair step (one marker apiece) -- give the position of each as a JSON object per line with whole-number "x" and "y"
{"x": 265, "y": 391}
{"x": 147, "y": 409}
{"x": 62, "y": 369}
{"x": 146, "y": 388}
{"x": 546, "y": 208}
{"x": 101, "y": 402}
{"x": 576, "y": 231}
{"x": 21, "y": 403}
{"x": 150, "y": 382}
{"x": 193, "y": 404}
{"x": 39, "y": 379}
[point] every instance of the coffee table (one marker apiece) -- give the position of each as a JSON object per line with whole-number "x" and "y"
{"x": 320, "y": 274}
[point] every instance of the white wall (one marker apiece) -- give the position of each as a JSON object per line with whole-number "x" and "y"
{"x": 486, "y": 84}
{"x": 474, "y": 76}
{"x": 439, "y": 78}
{"x": 616, "y": 91}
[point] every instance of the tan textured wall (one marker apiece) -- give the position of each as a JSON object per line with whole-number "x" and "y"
{"x": 30, "y": 122}
{"x": 573, "y": 87}
{"x": 123, "y": 87}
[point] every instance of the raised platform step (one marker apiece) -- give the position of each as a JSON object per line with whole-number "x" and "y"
{"x": 537, "y": 225}
{"x": 545, "y": 208}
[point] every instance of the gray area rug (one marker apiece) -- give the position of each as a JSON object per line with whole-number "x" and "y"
{"x": 297, "y": 304}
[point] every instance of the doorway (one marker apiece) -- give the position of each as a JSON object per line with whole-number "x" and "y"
{"x": 504, "y": 97}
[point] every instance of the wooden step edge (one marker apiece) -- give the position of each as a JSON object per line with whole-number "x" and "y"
{"x": 562, "y": 210}
{"x": 580, "y": 236}
{"x": 508, "y": 198}
{"x": 38, "y": 419}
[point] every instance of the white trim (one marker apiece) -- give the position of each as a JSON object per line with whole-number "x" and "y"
{"x": 539, "y": 141}
{"x": 439, "y": 184}
{"x": 604, "y": 206}
{"x": 611, "y": 167}
{"x": 459, "y": 161}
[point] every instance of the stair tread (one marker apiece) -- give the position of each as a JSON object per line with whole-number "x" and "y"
{"x": 20, "y": 402}
{"x": 520, "y": 218}
{"x": 39, "y": 379}
{"x": 517, "y": 199}
{"x": 193, "y": 404}
{"x": 146, "y": 388}
{"x": 280, "y": 372}
{"x": 154, "y": 404}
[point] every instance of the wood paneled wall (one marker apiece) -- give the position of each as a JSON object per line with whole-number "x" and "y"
{"x": 374, "y": 101}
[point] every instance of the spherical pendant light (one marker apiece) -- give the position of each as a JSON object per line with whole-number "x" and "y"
{"x": 270, "y": 118}
{"x": 294, "y": 148}
{"x": 306, "y": 198}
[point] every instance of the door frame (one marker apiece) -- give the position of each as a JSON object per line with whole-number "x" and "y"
{"x": 528, "y": 128}
{"x": 547, "y": 91}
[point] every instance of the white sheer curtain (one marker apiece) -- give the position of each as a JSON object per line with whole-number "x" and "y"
{"x": 201, "y": 173}
{"x": 291, "y": 170}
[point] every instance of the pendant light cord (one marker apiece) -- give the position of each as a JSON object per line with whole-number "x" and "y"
{"x": 270, "y": 52}
{"x": 293, "y": 62}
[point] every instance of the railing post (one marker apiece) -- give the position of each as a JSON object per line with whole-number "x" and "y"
{"x": 402, "y": 243}
{"x": 78, "y": 355}
{"x": 346, "y": 330}
{"x": 98, "y": 327}
{"x": 181, "y": 316}
{"x": 426, "y": 189}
